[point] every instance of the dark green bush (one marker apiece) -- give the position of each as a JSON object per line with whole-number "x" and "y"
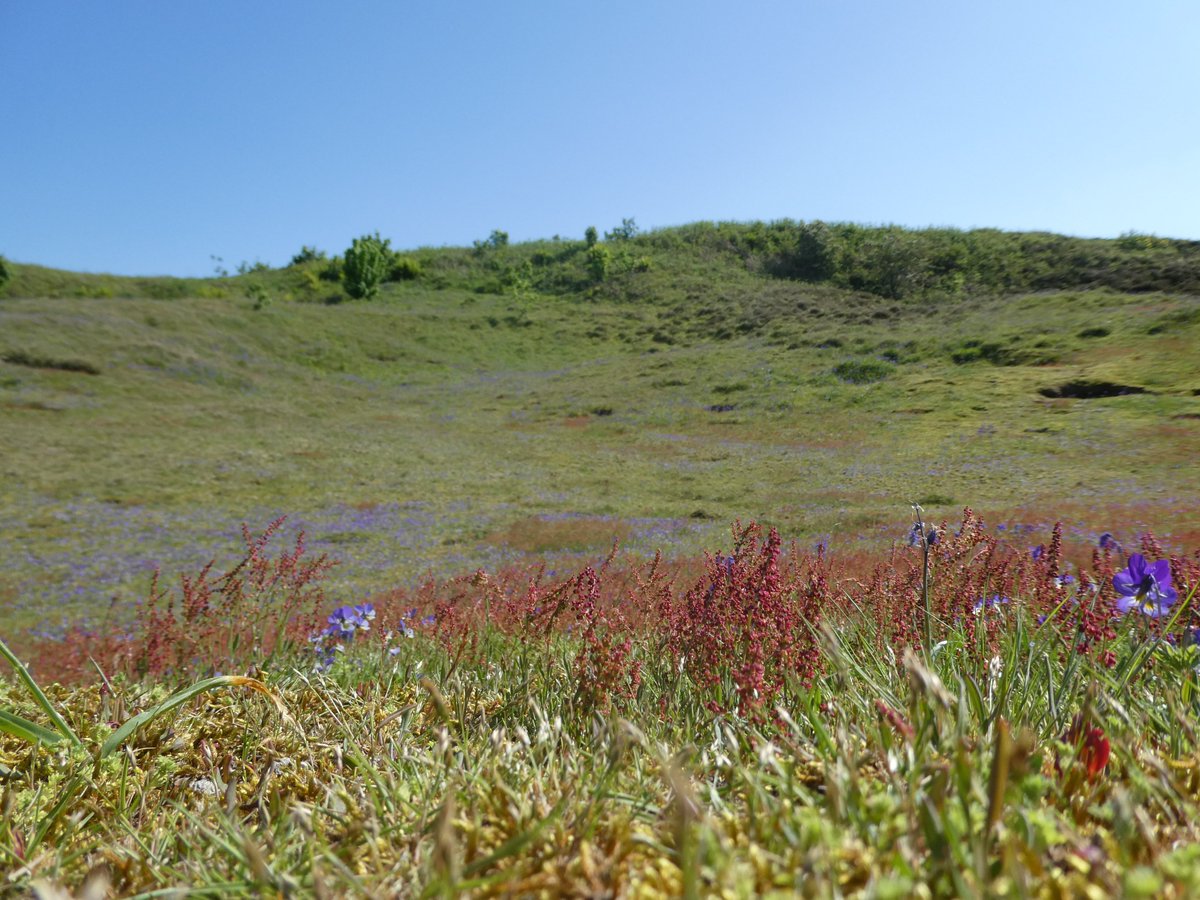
{"x": 626, "y": 231}
{"x": 863, "y": 371}
{"x": 308, "y": 255}
{"x": 4, "y": 276}
{"x": 331, "y": 271}
{"x": 495, "y": 241}
{"x": 366, "y": 266}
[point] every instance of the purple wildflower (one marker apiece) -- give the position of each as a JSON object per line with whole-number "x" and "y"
{"x": 1038, "y": 552}
{"x": 991, "y": 602}
{"x": 1145, "y": 587}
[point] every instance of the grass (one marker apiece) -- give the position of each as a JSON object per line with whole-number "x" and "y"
{"x": 478, "y": 757}
{"x": 208, "y": 412}
{"x": 502, "y": 410}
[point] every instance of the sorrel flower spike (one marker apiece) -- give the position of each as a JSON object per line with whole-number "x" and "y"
{"x": 1145, "y": 587}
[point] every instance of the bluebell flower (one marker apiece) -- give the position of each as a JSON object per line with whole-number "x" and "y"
{"x": 1145, "y": 586}
{"x": 1106, "y": 541}
{"x": 1038, "y": 552}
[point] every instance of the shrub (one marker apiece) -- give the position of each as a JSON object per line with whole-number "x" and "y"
{"x": 591, "y": 236}
{"x": 597, "y": 262}
{"x": 258, "y": 293}
{"x": 4, "y": 276}
{"x": 404, "y": 268}
{"x": 307, "y": 255}
{"x": 331, "y": 271}
{"x": 862, "y": 371}
{"x": 367, "y": 264}
{"x": 627, "y": 230}
{"x": 495, "y": 241}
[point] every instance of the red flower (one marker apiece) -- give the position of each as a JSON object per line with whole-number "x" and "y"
{"x": 1092, "y": 747}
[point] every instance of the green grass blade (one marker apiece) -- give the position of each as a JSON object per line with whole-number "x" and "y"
{"x": 39, "y": 695}
{"x": 26, "y": 730}
{"x": 179, "y": 698}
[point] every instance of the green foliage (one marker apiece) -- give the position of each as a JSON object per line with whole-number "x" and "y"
{"x": 332, "y": 270}
{"x": 597, "y": 261}
{"x": 1136, "y": 240}
{"x": 863, "y": 371}
{"x": 257, "y": 292}
{"x": 308, "y": 255}
{"x": 626, "y": 231}
{"x": 404, "y": 268}
{"x": 4, "y": 276}
{"x": 366, "y": 266}
{"x": 591, "y": 236}
{"x": 494, "y": 241}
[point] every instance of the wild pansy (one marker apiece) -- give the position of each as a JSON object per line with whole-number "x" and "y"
{"x": 341, "y": 626}
{"x": 1145, "y": 587}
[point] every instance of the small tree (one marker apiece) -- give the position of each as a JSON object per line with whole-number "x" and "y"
{"x": 367, "y": 263}
{"x": 495, "y": 241}
{"x": 3, "y": 274}
{"x": 627, "y": 230}
{"x": 591, "y": 236}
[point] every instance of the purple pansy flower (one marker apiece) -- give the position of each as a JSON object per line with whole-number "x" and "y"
{"x": 1145, "y": 586}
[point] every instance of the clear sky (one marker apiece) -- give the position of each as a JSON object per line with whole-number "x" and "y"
{"x": 145, "y": 137}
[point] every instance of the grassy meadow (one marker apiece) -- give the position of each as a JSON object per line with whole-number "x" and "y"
{"x": 845, "y": 712}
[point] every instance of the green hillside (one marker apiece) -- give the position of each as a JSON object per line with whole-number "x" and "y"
{"x": 543, "y": 398}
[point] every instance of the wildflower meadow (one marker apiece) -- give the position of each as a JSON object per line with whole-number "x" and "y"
{"x": 668, "y": 564}
{"x": 963, "y": 715}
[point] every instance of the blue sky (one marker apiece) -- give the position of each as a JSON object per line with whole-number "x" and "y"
{"x": 145, "y": 137}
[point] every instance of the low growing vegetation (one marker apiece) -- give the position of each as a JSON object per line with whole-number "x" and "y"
{"x": 965, "y": 715}
{"x": 430, "y": 680}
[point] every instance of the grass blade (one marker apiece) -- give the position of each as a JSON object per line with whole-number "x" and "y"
{"x": 131, "y": 726}
{"x": 39, "y": 695}
{"x": 26, "y": 730}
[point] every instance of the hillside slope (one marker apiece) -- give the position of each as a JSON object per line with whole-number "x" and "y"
{"x": 506, "y": 401}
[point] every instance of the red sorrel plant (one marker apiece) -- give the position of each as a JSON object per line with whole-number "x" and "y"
{"x": 750, "y": 620}
{"x": 958, "y": 579}
{"x": 258, "y": 609}
{"x": 605, "y": 667}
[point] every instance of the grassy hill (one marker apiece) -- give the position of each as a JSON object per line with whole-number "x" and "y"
{"x": 544, "y": 398}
